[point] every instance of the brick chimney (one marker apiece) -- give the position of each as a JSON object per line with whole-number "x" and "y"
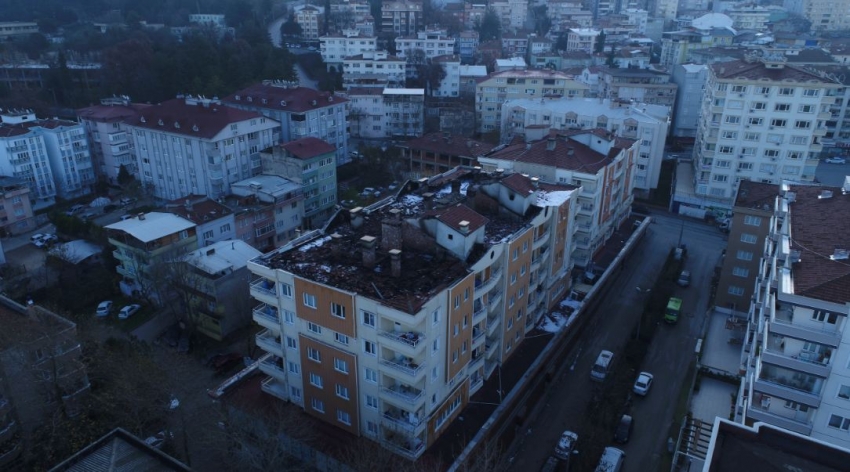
{"x": 395, "y": 262}
{"x": 368, "y": 244}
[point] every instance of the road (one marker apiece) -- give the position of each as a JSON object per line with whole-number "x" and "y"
{"x": 832, "y": 174}
{"x": 274, "y": 34}
{"x": 668, "y": 357}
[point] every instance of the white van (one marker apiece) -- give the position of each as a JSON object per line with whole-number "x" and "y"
{"x": 601, "y": 366}
{"x": 611, "y": 461}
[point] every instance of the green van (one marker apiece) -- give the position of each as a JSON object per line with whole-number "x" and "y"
{"x": 674, "y": 307}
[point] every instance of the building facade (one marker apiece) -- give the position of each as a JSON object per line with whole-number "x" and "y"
{"x": 641, "y": 85}
{"x": 16, "y": 214}
{"x": 432, "y": 42}
{"x": 825, "y": 15}
{"x": 582, "y": 39}
{"x": 310, "y": 19}
{"x": 690, "y": 81}
{"x": 405, "y": 112}
{"x": 437, "y": 153}
{"x": 110, "y": 141}
{"x": 335, "y": 48}
{"x": 378, "y": 66}
{"x": 403, "y": 18}
{"x": 215, "y": 221}
{"x": 277, "y": 205}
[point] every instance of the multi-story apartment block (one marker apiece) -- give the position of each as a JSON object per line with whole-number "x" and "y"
{"x": 539, "y": 45}
{"x": 825, "y": 15}
{"x": 707, "y": 31}
{"x": 336, "y": 47}
{"x": 366, "y": 112}
{"x": 110, "y": 143}
{"x": 749, "y": 227}
{"x": 437, "y": 153}
{"x": 473, "y": 13}
{"x": 690, "y": 81}
{"x": 582, "y": 39}
{"x": 212, "y": 281}
{"x": 369, "y": 332}
{"x": 433, "y": 43}
{"x": 514, "y": 44}
{"x": 198, "y": 146}
{"x": 41, "y": 375}
{"x": 667, "y": 9}
{"x": 512, "y": 13}
{"x": 403, "y": 18}
{"x": 794, "y": 357}
{"x": 595, "y": 160}
{"x": 215, "y": 221}
{"x": 641, "y": 85}
{"x": 638, "y": 18}
{"x": 143, "y": 245}
{"x": 16, "y": 214}
{"x": 302, "y": 112}
{"x": 749, "y": 17}
{"x": 70, "y": 160}
{"x": 276, "y": 208}
{"x": 377, "y": 66}
{"x": 566, "y": 14}
{"x": 10, "y": 29}
{"x": 355, "y": 10}
{"x": 467, "y": 45}
{"x": 837, "y": 137}
{"x": 492, "y": 92}
{"x": 761, "y": 120}
{"x": 405, "y": 112}
{"x": 450, "y": 85}
{"x": 208, "y": 19}
{"x": 533, "y": 120}
{"x": 513, "y": 63}
{"x": 311, "y": 163}
{"x": 469, "y": 77}
{"x": 310, "y": 19}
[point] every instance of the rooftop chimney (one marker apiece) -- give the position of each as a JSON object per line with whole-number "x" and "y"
{"x": 464, "y": 227}
{"x": 336, "y": 238}
{"x": 570, "y": 151}
{"x": 535, "y": 181}
{"x": 550, "y": 144}
{"x": 395, "y": 262}
{"x": 499, "y": 172}
{"x": 368, "y": 243}
{"x": 356, "y": 217}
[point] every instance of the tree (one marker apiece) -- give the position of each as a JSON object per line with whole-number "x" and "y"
{"x": 290, "y": 27}
{"x": 124, "y": 176}
{"x": 599, "y": 46}
{"x": 542, "y": 22}
{"x": 561, "y": 42}
{"x": 490, "y": 26}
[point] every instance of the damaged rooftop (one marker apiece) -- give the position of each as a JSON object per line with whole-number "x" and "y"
{"x": 388, "y": 251}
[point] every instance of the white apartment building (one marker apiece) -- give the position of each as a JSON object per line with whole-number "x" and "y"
{"x": 749, "y": 17}
{"x": 432, "y": 42}
{"x": 310, "y": 19}
{"x": 638, "y": 18}
{"x": 335, "y": 48}
{"x": 358, "y": 9}
{"x": 450, "y": 85}
{"x": 378, "y": 65}
{"x": 582, "y": 39}
{"x": 492, "y": 92}
{"x": 382, "y": 113}
{"x": 208, "y": 19}
{"x": 403, "y": 18}
{"x": 51, "y": 156}
{"x": 566, "y": 14}
{"x": 795, "y": 354}
{"x": 690, "y": 80}
{"x": 825, "y": 15}
{"x": 109, "y": 138}
{"x": 300, "y": 111}
{"x": 533, "y": 120}
{"x": 761, "y": 120}
{"x": 512, "y": 13}
{"x": 595, "y": 160}
{"x": 367, "y": 332}
{"x": 198, "y": 146}
{"x": 667, "y": 9}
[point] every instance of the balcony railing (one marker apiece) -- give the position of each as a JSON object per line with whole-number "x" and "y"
{"x": 405, "y": 393}
{"x": 267, "y": 312}
{"x": 399, "y": 422}
{"x": 408, "y": 338}
{"x": 272, "y": 387}
{"x": 269, "y": 342}
{"x": 478, "y": 311}
{"x": 264, "y": 286}
{"x": 410, "y": 368}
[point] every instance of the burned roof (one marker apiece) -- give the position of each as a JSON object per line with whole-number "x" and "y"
{"x": 756, "y": 195}
{"x": 339, "y": 256}
{"x": 446, "y": 143}
{"x": 197, "y": 208}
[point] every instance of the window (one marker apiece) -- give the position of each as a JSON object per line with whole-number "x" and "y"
{"x": 734, "y": 290}
{"x": 806, "y": 109}
{"x": 510, "y": 323}
{"x": 286, "y": 290}
{"x": 752, "y": 220}
{"x": 756, "y": 121}
{"x": 341, "y": 338}
{"x": 341, "y": 365}
{"x": 820, "y": 315}
{"x": 513, "y": 278}
{"x": 457, "y": 301}
{"x": 317, "y": 405}
{"x": 524, "y": 246}
{"x": 368, "y": 319}
{"x": 342, "y": 391}
{"x": 314, "y": 327}
{"x": 293, "y": 368}
{"x": 778, "y": 122}
{"x": 839, "y": 422}
{"x": 516, "y": 254}
{"x": 435, "y": 346}
{"x": 465, "y": 321}
{"x": 782, "y": 107}
{"x": 436, "y": 316}
{"x": 372, "y": 428}
{"x": 464, "y": 347}
{"x": 309, "y": 300}
{"x": 314, "y": 354}
{"x": 726, "y": 149}
{"x": 371, "y": 375}
{"x": 799, "y": 140}
{"x": 295, "y": 393}
{"x": 315, "y": 380}
{"x": 466, "y": 294}
{"x": 209, "y": 234}
{"x": 802, "y": 124}
{"x": 786, "y": 91}
{"x": 733, "y": 119}
{"x": 338, "y": 310}
{"x": 748, "y": 238}
{"x": 455, "y": 330}
{"x": 372, "y": 402}
{"x": 370, "y": 348}
{"x": 740, "y": 271}
{"x": 844, "y": 392}
{"x": 811, "y": 92}
{"x": 454, "y": 356}
{"x": 290, "y": 343}
{"x": 745, "y": 255}
{"x": 522, "y": 270}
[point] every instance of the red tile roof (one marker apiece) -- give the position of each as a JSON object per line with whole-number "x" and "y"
{"x": 565, "y": 154}
{"x": 308, "y": 148}
{"x": 452, "y": 217}
{"x": 18, "y": 129}
{"x": 175, "y": 116}
{"x": 519, "y": 184}
{"x": 757, "y": 70}
{"x": 296, "y": 99}
{"x": 199, "y": 209}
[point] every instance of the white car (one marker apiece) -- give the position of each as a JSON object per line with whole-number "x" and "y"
{"x": 103, "y": 309}
{"x": 566, "y": 445}
{"x": 642, "y": 384}
{"x": 835, "y": 160}
{"x": 128, "y": 311}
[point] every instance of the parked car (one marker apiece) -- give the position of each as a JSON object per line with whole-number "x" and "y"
{"x": 88, "y": 215}
{"x": 50, "y": 238}
{"x": 565, "y": 445}
{"x": 642, "y": 384}
{"x": 624, "y": 429}
{"x": 103, "y": 309}
{"x": 75, "y": 209}
{"x": 128, "y": 311}
{"x": 684, "y": 278}
{"x": 157, "y": 440}
{"x": 126, "y": 201}
{"x": 835, "y": 160}
{"x": 37, "y": 237}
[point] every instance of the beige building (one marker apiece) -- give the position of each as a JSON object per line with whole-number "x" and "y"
{"x": 16, "y": 214}
{"x": 403, "y": 18}
{"x": 310, "y": 19}
{"x": 371, "y": 333}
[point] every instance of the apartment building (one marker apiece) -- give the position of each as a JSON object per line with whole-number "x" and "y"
{"x": 566, "y": 14}
{"x": 311, "y": 20}
{"x": 707, "y": 31}
{"x": 837, "y": 137}
{"x": 437, "y": 153}
{"x": 336, "y": 47}
{"x": 602, "y": 164}
{"x": 41, "y": 375}
{"x": 532, "y": 120}
{"x": 110, "y": 143}
{"x": 269, "y": 210}
{"x": 16, "y": 215}
{"x": 212, "y": 283}
{"x": 208, "y": 19}
{"x": 761, "y": 120}
{"x": 403, "y": 18}
{"x": 469, "y": 77}
{"x": 370, "y": 333}
{"x": 143, "y": 244}
{"x": 300, "y": 111}
{"x": 638, "y": 18}
{"x": 825, "y": 15}
{"x": 514, "y": 44}
{"x": 582, "y": 39}
{"x": 214, "y": 220}
{"x": 794, "y": 357}
{"x": 311, "y": 163}
{"x": 749, "y": 17}
{"x": 11, "y": 29}
{"x": 749, "y": 227}
{"x": 450, "y": 85}
{"x": 433, "y": 43}
{"x": 690, "y": 80}
{"x": 513, "y": 14}
{"x": 378, "y": 66}
{"x": 405, "y": 112}
{"x": 467, "y": 45}
{"x": 357, "y": 9}
{"x": 641, "y": 85}
{"x": 198, "y": 146}
{"x": 492, "y": 92}
{"x": 366, "y": 112}
{"x": 667, "y": 9}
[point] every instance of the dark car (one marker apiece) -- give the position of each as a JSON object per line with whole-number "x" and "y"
{"x": 226, "y": 362}
{"x": 624, "y": 430}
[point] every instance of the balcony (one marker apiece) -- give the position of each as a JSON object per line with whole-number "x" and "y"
{"x": 486, "y": 285}
{"x": 273, "y": 366}
{"x": 541, "y": 239}
{"x": 401, "y": 420}
{"x": 476, "y": 361}
{"x": 762, "y": 408}
{"x": 475, "y": 384}
{"x": 406, "y": 366}
{"x": 409, "y": 447}
{"x": 274, "y": 388}
{"x": 406, "y": 342}
{"x": 787, "y": 389}
{"x": 264, "y": 290}
{"x": 267, "y": 317}
{"x": 269, "y": 342}
{"x": 586, "y": 210}
{"x": 493, "y": 300}
{"x": 492, "y": 322}
{"x": 477, "y": 336}
{"x": 404, "y": 393}
{"x": 478, "y": 311}
{"x": 782, "y": 323}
